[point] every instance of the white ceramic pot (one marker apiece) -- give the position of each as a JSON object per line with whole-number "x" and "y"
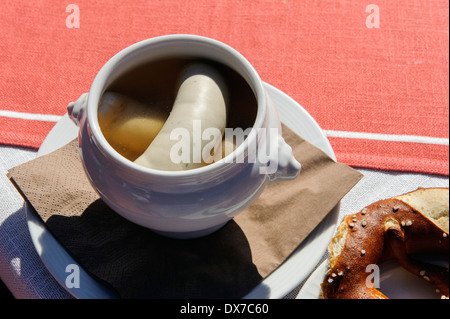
{"x": 191, "y": 203}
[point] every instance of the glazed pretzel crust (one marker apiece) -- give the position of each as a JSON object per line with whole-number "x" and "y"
{"x": 387, "y": 229}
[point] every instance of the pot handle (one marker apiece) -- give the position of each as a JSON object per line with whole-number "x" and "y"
{"x": 286, "y": 166}
{"x": 76, "y": 109}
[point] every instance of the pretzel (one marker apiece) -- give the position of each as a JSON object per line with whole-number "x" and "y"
{"x": 395, "y": 228}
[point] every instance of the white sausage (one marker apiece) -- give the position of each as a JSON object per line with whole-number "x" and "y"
{"x": 128, "y": 125}
{"x": 201, "y": 98}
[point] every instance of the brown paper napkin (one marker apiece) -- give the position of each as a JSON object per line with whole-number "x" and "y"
{"x": 138, "y": 263}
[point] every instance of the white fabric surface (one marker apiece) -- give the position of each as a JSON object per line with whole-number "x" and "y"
{"x": 21, "y": 269}
{"x": 27, "y": 277}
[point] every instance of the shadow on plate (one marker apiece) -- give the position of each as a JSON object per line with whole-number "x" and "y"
{"x": 138, "y": 263}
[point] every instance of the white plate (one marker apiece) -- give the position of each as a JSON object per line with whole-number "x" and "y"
{"x": 395, "y": 282}
{"x": 282, "y": 281}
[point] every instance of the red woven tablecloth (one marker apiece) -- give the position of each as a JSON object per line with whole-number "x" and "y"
{"x": 373, "y": 74}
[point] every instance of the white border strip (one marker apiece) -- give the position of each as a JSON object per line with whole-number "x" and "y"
{"x": 30, "y": 116}
{"x": 388, "y": 137}
{"x": 329, "y": 133}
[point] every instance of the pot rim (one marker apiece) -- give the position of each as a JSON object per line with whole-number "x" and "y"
{"x": 103, "y": 78}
